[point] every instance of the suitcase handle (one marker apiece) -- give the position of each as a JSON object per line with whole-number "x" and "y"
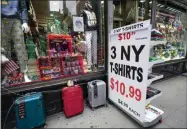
{"x": 95, "y": 89}
{"x": 96, "y": 81}
{"x": 28, "y": 94}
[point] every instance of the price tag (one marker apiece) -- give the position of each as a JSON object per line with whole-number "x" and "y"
{"x": 126, "y": 36}
{"x": 128, "y": 67}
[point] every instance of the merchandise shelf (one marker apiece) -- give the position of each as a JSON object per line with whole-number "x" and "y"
{"x": 153, "y": 43}
{"x": 152, "y": 63}
{"x": 171, "y": 62}
{"x": 49, "y": 83}
{"x": 152, "y": 116}
{"x": 148, "y": 101}
{"x": 153, "y": 77}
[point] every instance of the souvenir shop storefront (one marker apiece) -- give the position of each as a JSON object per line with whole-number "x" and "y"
{"x": 47, "y": 45}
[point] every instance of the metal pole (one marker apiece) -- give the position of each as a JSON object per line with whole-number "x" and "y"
{"x": 153, "y": 15}
{"x": 106, "y": 33}
{"x": 110, "y": 15}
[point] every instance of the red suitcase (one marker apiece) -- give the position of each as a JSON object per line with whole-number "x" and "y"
{"x": 73, "y": 100}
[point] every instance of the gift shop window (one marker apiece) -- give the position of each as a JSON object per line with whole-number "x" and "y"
{"x": 51, "y": 39}
{"x": 168, "y": 34}
{"x": 130, "y": 11}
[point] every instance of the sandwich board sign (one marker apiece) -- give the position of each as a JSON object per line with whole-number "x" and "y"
{"x": 128, "y": 67}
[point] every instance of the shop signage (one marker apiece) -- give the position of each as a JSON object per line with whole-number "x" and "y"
{"x": 132, "y": 27}
{"x": 128, "y": 67}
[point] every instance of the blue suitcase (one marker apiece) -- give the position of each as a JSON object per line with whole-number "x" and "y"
{"x": 30, "y": 111}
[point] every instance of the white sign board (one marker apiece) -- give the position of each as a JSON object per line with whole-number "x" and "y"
{"x": 128, "y": 67}
{"x": 78, "y": 24}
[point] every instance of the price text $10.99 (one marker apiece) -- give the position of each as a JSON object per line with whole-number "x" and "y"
{"x": 121, "y": 88}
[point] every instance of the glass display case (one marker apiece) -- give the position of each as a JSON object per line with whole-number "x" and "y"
{"x": 168, "y": 19}
{"x": 65, "y": 39}
{"x": 131, "y": 11}
{"x": 168, "y": 36}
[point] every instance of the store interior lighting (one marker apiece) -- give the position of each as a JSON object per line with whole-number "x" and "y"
{"x": 55, "y": 6}
{"x": 162, "y": 6}
{"x": 142, "y": 1}
{"x": 54, "y": 3}
{"x": 169, "y": 8}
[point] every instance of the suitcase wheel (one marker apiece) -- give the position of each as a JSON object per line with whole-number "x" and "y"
{"x": 109, "y": 102}
{"x": 41, "y": 127}
{"x": 161, "y": 120}
{"x": 45, "y": 126}
{"x": 93, "y": 109}
{"x": 87, "y": 102}
{"x": 106, "y": 105}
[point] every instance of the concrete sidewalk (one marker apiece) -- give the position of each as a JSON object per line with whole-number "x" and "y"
{"x": 173, "y": 103}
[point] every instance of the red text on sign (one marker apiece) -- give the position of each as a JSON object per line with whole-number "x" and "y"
{"x": 125, "y": 36}
{"x": 121, "y": 88}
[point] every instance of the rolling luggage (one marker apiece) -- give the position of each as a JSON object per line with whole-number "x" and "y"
{"x": 53, "y": 102}
{"x": 29, "y": 111}
{"x": 72, "y": 100}
{"x": 97, "y": 93}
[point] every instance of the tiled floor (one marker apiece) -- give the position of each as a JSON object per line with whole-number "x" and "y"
{"x": 173, "y": 103}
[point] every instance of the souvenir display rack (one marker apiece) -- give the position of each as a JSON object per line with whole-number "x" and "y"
{"x": 168, "y": 19}
{"x": 60, "y": 66}
{"x": 60, "y": 43}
